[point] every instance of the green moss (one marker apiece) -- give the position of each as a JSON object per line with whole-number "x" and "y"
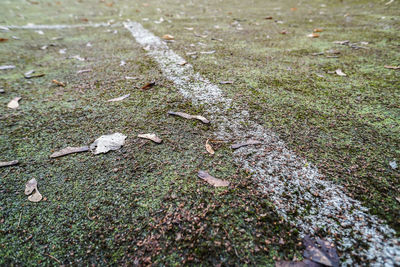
{"x": 131, "y": 204}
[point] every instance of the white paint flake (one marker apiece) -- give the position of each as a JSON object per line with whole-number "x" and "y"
{"x": 289, "y": 181}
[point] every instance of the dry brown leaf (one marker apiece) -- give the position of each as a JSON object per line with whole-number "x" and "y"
{"x": 119, "y": 98}
{"x": 30, "y": 74}
{"x": 392, "y": 67}
{"x": 109, "y": 4}
{"x": 209, "y": 148}
{"x": 212, "y": 180}
{"x": 226, "y": 82}
{"x": 106, "y": 143}
{"x": 30, "y": 186}
{"x": 318, "y": 30}
{"x": 151, "y": 137}
{"x": 14, "y": 103}
{"x": 3, "y": 39}
{"x": 168, "y": 37}
{"x": 313, "y": 35}
{"x": 284, "y": 32}
{"x": 69, "y": 150}
{"x": 188, "y": 116}
{"x": 247, "y": 143}
{"x": 148, "y": 85}
{"x": 35, "y": 197}
{"x": 293, "y": 9}
{"x": 83, "y": 71}
{"x": 340, "y": 72}
{"x": 8, "y": 163}
{"x": 58, "y": 83}
{"x": 269, "y": 17}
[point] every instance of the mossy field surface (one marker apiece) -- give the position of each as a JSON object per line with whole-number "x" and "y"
{"x": 143, "y": 204}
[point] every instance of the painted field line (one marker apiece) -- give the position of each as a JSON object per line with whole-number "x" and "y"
{"x": 58, "y": 27}
{"x": 289, "y": 181}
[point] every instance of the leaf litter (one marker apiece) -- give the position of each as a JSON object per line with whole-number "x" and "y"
{"x": 69, "y": 150}
{"x": 148, "y": 85}
{"x": 119, "y": 98}
{"x": 7, "y": 67}
{"x": 168, "y": 37}
{"x": 30, "y": 74}
{"x": 392, "y": 67}
{"x": 105, "y": 143}
{"x": 13, "y": 104}
{"x": 212, "y": 180}
{"x": 188, "y": 116}
{"x": 151, "y": 137}
{"x": 31, "y": 186}
{"x": 8, "y": 163}
{"x": 209, "y": 148}
{"x": 317, "y": 253}
{"x": 340, "y": 72}
{"x": 313, "y": 35}
{"x": 58, "y": 83}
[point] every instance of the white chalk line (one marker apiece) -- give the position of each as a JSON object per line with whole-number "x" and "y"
{"x": 32, "y": 26}
{"x": 289, "y": 181}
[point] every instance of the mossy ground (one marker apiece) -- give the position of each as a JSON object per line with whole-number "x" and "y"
{"x": 144, "y": 203}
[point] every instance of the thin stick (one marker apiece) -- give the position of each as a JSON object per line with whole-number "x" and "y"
{"x": 53, "y": 258}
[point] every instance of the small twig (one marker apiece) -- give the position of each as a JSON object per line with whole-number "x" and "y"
{"x": 19, "y": 221}
{"x": 54, "y": 258}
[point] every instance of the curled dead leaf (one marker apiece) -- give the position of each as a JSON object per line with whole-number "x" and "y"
{"x": 8, "y": 163}
{"x": 226, "y": 82}
{"x": 30, "y": 186}
{"x": 58, "y": 83}
{"x": 284, "y": 32}
{"x": 83, "y": 71}
{"x": 30, "y": 74}
{"x": 188, "y": 116}
{"x": 209, "y": 148}
{"x": 148, "y": 85}
{"x": 105, "y": 143}
{"x": 318, "y": 30}
{"x": 14, "y": 103}
{"x": 119, "y": 98}
{"x": 340, "y": 72}
{"x": 392, "y": 67}
{"x": 7, "y": 67}
{"x": 69, "y": 150}
{"x": 168, "y": 37}
{"x": 212, "y": 180}
{"x": 151, "y": 137}
{"x": 269, "y": 17}
{"x": 3, "y": 39}
{"x": 320, "y": 251}
{"x": 35, "y": 197}
{"x": 313, "y": 35}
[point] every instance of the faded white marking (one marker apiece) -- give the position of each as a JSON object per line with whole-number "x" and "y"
{"x": 59, "y": 27}
{"x": 289, "y": 181}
